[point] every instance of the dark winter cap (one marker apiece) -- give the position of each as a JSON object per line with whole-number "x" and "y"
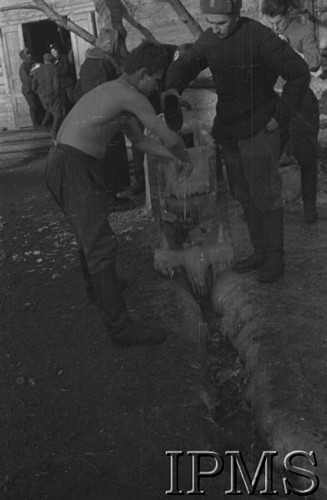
{"x": 24, "y": 53}
{"x": 220, "y": 6}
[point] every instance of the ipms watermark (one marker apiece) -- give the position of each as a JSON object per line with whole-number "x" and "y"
{"x": 262, "y": 481}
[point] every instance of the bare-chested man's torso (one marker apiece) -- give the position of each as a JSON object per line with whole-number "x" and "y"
{"x": 98, "y": 115}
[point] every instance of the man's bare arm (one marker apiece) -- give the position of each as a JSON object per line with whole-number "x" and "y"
{"x": 142, "y": 109}
{"x": 144, "y": 143}
{"x": 152, "y": 147}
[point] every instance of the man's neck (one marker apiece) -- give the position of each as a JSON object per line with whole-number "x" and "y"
{"x": 130, "y": 80}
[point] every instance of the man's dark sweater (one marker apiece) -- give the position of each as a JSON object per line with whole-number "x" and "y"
{"x": 245, "y": 67}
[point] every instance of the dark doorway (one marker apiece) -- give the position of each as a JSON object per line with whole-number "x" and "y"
{"x": 39, "y": 35}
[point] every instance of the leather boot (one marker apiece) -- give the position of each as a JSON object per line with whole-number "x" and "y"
{"x": 273, "y": 229}
{"x": 89, "y": 288}
{"x": 122, "y": 330}
{"x": 254, "y": 222}
{"x": 310, "y": 213}
{"x": 109, "y": 295}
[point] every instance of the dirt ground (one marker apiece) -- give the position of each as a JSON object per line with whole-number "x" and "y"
{"x": 60, "y": 381}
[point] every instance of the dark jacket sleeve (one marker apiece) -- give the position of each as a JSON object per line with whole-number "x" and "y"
{"x": 56, "y": 82}
{"x": 282, "y": 60}
{"x": 25, "y": 79}
{"x": 35, "y": 83}
{"x": 188, "y": 66}
{"x": 65, "y": 72}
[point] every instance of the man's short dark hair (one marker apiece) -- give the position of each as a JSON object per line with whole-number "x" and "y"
{"x": 151, "y": 56}
{"x": 273, "y": 8}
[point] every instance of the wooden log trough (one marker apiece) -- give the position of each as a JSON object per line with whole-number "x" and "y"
{"x": 193, "y": 237}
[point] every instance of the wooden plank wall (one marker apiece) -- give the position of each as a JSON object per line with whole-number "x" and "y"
{"x": 156, "y": 15}
{"x": 161, "y": 19}
{"x": 71, "y": 8}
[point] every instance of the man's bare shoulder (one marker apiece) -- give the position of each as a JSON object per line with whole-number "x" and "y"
{"x": 118, "y": 87}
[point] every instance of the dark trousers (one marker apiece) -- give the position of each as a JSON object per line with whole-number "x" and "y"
{"x": 252, "y": 170}
{"x": 36, "y": 111}
{"x": 53, "y": 112}
{"x": 67, "y": 99}
{"x": 75, "y": 180}
{"x": 300, "y": 139}
{"x": 254, "y": 181}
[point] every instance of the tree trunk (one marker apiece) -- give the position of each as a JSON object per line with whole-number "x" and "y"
{"x": 64, "y": 23}
{"x": 50, "y": 13}
{"x": 142, "y": 29}
{"x": 186, "y": 17}
{"x": 116, "y": 10}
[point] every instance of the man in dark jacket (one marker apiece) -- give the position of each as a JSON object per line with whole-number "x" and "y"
{"x": 245, "y": 59}
{"x": 66, "y": 78}
{"x": 26, "y": 79}
{"x": 46, "y": 85}
{"x": 300, "y": 136}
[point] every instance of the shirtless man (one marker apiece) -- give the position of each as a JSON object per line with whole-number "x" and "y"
{"x": 74, "y": 176}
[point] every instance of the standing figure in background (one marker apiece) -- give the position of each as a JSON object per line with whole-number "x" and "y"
{"x": 46, "y": 85}
{"x": 30, "y": 96}
{"x": 300, "y": 136}
{"x": 100, "y": 67}
{"x": 66, "y": 78}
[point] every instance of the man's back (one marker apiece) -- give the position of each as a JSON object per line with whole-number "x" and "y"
{"x": 45, "y": 80}
{"x": 245, "y": 67}
{"x": 96, "y": 117}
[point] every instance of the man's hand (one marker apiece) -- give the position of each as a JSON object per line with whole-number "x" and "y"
{"x": 184, "y": 170}
{"x": 272, "y": 125}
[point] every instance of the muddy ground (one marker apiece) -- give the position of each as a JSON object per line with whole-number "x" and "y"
{"x": 63, "y": 386}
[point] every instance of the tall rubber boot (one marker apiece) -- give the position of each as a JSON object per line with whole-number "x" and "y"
{"x": 253, "y": 219}
{"x": 108, "y": 293}
{"x": 33, "y": 113}
{"x": 273, "y": 230}
{"x": 89, "y": 288}
{"x": 122, "y": 330}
